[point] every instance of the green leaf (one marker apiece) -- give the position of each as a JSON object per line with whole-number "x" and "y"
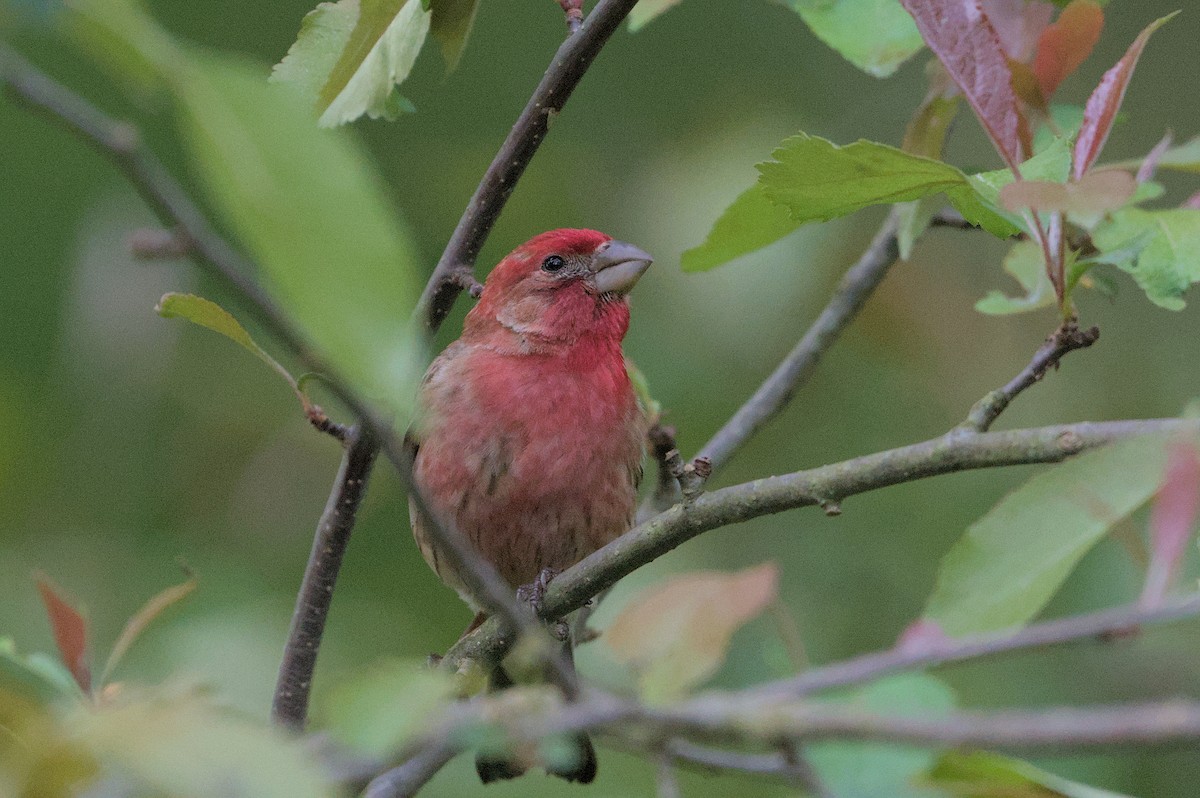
{"x": 817, "y": 180}
{"x": 877, "y": 36}
{"x": 641, "y": 387}
{"x": 1027, "y": 266}
{"x": 1002, "y": 572}
{"x": 1066, "y": 121}
{"x": 349, "y": 56}
{"x": 378, "y": 712}
{"x": 37, "y": 677}
{"x": 646, "y": 10}
{"x": 860, "y": 770}
{"x": 751, "y": 222}
{"x": 1161, "y": 249}
{"x": 305, "y": 202}
{"x": 926, "y": 136}
{"x": 912, "y": 220}
{"x": 308, "y": 206}
{"x": 676, "y": 634}
{"x": 184, "y": 745}
{"x": 210, "y": 315}
{"x": 980, "y": 203}
{"x": 981, "y": 774}
{"x": 451, "y": 25}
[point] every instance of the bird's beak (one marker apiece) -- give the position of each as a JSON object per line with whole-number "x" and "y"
{"x": 618, "y": 266}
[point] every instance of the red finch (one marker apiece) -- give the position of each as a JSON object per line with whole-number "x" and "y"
{"x": 530, "y": 437}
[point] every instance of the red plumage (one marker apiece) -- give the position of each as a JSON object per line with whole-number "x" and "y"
{"x": 530, "y": 435}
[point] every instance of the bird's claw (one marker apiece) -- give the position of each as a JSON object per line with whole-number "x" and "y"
{"x": 534, "y": 593}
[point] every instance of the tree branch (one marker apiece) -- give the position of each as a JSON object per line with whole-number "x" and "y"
{"x": 290, "y": 706}
{"x": 731, "y": 719}
{"x": 566, "y": 70}
{"x": 407, "y": 779}
{"x": 722, "y": 718}
{"x": 1062, "y": 341}
{"x": 771, "y": 397}
{"x": 947, "y": 454}
{"x": 1103, "y": 625}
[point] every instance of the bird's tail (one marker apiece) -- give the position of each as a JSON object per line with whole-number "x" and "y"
{"x": 580, "y": 767}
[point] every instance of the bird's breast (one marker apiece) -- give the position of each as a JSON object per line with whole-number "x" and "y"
{"x": 536, "y": 459}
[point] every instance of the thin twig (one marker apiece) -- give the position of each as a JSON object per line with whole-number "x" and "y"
{"x": 666, "y": 487}
{"x": 1102, "y": 625}
{"x": 806, "y": 774}
{"x": 771, "y": 397}
{"x": 1062, "y": 341}
{"x": 718, "y": 759}
{"x": 290, "y": 706}
{"x": 406, "y": 780}
{"x": 943, "y": 455}
{"x": 668, "y": 782}
{"x": 153, "y": 243}
{"x": 566, "y": 70}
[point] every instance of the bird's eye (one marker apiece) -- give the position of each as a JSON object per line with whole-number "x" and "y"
{"x": 553, "y": 263}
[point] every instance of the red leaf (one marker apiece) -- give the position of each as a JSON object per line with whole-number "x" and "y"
{"x": 1192, "y": 202}
{"x": 1171, "y": 520}
{"x": 963, "y": 39}
{"x": 1150, "y": 162}
{"x": 1019, "y": 24}
{"x": 70, "y": 631}
{"x": 1105, "y": 101}
{"x": 1066, "y": 44}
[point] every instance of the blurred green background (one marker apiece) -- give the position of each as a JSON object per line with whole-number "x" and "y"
{"x": 131, "y": 441}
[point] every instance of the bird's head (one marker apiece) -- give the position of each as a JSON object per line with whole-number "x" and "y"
{"x": 560, "y": 286}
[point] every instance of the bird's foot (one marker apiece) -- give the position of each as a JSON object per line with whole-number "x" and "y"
{"x": 534, "y": 593}
{"x": 574, "y": 11}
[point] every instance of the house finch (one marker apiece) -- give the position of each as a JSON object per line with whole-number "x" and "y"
{"x": 530, "y": 434}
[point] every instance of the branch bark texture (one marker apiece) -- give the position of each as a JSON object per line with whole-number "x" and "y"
{"x": 290, "y": 706}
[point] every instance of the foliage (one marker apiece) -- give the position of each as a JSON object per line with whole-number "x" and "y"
{"x": 315, "y": 215}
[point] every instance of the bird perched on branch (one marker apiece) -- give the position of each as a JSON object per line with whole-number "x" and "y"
{"x": 530, "y": 436}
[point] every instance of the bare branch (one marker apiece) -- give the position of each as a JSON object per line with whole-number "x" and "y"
{"x": 858, "y": 284}
{"x": 690, "y": 476}
{"x": 1062, "y": 341}
{"x": 1104, "y": 625}
{"x": 943, "y": 455}
{"x": 666, "y": 488}
{"x": 717, "y": 759}
{"x": 153, "y": 243}
{"x": 404, "y": 781}
{"x": 290, "y": 707}
{"x": 570, "y": 63}
{"x": 724, "y": 718}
